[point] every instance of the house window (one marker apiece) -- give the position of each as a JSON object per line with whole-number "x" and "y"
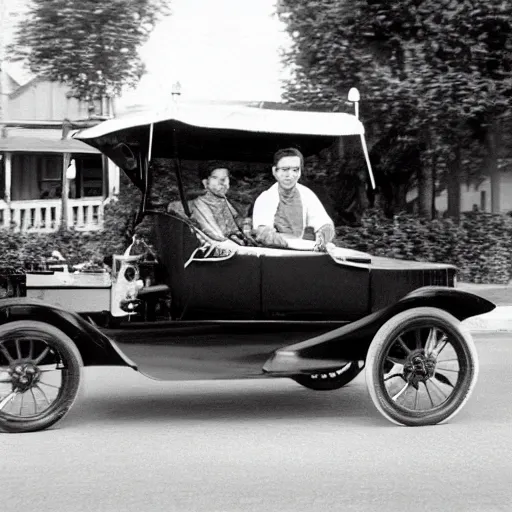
{"x": 50, "y": 175}
{"x": 39, "y": 176}
{"x": 89, "y": 177}
{"x": 36, "y": 176}
{"x": 483, "y": 200}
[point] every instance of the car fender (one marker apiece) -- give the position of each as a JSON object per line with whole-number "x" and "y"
{"x": 352, "y": 341}
{"x": 95, "y": 348}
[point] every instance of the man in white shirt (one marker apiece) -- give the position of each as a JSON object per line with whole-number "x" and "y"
{"x": 283, "y": 212}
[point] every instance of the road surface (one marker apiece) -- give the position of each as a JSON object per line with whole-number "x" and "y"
{"x": 134, "y": 445}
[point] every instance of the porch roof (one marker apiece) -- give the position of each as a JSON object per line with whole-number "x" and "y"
{"x": 25, "y": 140}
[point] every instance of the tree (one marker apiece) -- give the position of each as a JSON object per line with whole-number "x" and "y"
{"x": 459, "y": 52}
{"x": 333, "y": 49}
{"x": 91, "y": 45}
{"x": 440, "y": 74}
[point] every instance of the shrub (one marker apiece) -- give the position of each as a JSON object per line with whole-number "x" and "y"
{"x": 484, "y": 251}
{"x": 30, "y": 250}
{"x": 479, "y": 245}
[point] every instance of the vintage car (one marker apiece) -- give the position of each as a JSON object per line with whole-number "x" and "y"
{"x": 318, "y": 318}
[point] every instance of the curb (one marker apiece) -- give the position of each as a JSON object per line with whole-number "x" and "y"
{"x": 499, "y": 319}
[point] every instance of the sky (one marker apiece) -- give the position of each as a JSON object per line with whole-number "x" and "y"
{"x": 216, "y": 49}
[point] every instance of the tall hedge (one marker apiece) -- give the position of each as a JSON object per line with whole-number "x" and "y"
{"x": 480, "y": 246}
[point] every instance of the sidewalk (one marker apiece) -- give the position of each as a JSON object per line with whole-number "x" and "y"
{"x": 498, "y": 320}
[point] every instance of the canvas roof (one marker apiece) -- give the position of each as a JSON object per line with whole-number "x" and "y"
{"x": 235, "y": 117}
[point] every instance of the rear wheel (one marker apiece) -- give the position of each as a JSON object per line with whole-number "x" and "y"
{"x": 40, "y": 371}
{"x": 329, "y": 381}
{"x": 421, "y": 367}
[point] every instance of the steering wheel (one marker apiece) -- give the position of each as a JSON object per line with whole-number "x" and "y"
{"x": 241, "y": 238}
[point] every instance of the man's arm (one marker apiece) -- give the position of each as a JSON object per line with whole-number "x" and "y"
{"x": 203, "y": 216}
{"x": 319, "y": 220}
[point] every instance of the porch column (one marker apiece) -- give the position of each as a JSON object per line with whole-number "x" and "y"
{"x": 66, "y": 157}
{"x": 105, "y": 176}
{"x": 112, "y": 179}
{"x": 7, "y": 188}
{"x": 8, "y": 176}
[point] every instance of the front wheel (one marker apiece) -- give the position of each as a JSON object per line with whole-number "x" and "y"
{"x": 40, "y": 370}
{"x": 421, "y": 367}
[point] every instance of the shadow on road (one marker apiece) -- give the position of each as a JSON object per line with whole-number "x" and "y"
{"x": 136, "y": 399}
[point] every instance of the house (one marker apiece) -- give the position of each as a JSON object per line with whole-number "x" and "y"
{"x": 46, "y": 177}
{"x": 477, "y": 195}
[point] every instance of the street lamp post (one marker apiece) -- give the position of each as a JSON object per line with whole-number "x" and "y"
{"x": 176, "y": 91}
{"x": 354, "y": 97}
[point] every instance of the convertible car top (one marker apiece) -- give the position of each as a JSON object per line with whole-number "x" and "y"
{"x": 218, "y": 132}
{"x": 236, "y": 117}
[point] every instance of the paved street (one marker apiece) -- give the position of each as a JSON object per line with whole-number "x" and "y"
{"x": 131, "y": 444}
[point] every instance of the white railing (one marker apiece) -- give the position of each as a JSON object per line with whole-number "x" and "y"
{"x": 45, "y": 215}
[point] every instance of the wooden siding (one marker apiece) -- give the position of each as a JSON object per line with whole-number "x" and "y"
{"x": 42, "y": 100}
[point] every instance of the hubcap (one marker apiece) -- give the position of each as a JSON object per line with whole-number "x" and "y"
{"x": 24, "y": 376}
{"x": 419, "y": 368}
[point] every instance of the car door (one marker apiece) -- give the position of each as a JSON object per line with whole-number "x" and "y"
{"x": 306, "y": 284}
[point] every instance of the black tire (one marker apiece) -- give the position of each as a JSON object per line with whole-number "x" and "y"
{"x": 329, "y": 381}
{"x": 28, "y": 352}
{"x": 423, "y": 353}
